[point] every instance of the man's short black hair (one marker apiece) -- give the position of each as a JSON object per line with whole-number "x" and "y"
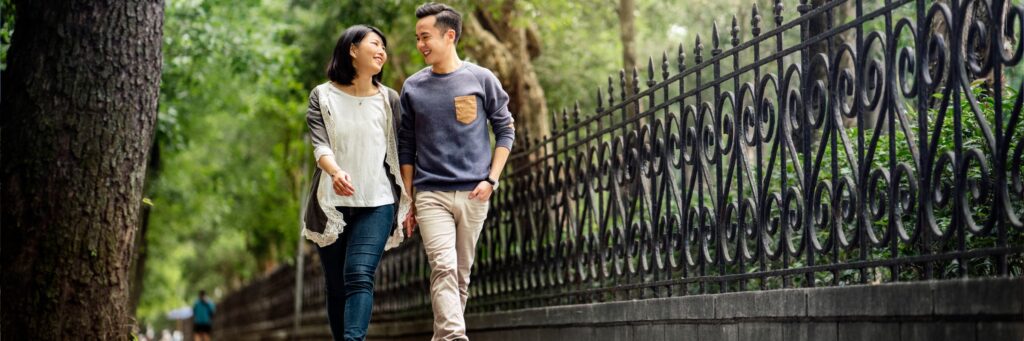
{"x": 447, "y": 17}
{"x": 340, "y": 68}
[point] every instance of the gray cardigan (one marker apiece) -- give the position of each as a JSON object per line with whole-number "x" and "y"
{"x": 314, "y": 217}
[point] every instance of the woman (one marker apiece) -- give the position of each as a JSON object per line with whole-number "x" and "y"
{"x": 352, "y": 211}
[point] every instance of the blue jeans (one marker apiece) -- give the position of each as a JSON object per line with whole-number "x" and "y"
{"x": 349, "y": 265}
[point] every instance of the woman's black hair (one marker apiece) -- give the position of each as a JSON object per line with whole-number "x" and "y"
{"x": 340, "y": 68}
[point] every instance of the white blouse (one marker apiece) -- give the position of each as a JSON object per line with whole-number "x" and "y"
{"x": 362, "y": 146}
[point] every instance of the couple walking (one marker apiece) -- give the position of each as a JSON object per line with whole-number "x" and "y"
{"x": 421, "y": 158}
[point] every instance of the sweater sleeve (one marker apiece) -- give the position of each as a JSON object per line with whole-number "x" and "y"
{"x": 496, "y": 105}
{"x": 317, "y": 130}
{"x": 406, "y": 132}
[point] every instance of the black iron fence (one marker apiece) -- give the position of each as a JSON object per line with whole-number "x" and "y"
{"x": 861, "y": 142}
{"x": 272, "y": 307}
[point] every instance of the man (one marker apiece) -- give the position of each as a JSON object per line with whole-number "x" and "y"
{"x": 202, "y": 317}
{"x": 444, "y": 152}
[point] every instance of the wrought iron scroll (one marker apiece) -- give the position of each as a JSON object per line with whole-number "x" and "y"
{"x": 885, "y": 146}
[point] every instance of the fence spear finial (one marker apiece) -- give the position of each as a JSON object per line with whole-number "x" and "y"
{"x": 636, "y": 81}
{"x": 696, "y": 50}
{"x": 526, "y": 136}
{"x": 778, "y": 13}
{"x": 664, "y": 65}
{"x": 554, "y": 123}
{"x": 622, "y": 85}
{"x": 576, "y": 112}
{"x": 650, "y": 72}
{"x": 735, "y": 32}
{"x": 681, "y": 59}
{"x": 755, "y": 20}
{"x": 715, "y": 46}
{"x": 611, "y": 93}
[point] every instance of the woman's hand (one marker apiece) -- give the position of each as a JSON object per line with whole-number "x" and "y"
{"x": 342, "y": 183}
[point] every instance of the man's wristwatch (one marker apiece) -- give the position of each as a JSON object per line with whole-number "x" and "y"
{"x": 494, "y": 183}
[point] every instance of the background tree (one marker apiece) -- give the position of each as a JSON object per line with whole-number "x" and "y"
{"x": 627, "y": 33}
{"x": 80, "y": 104}
{"x": 497, "y": 37}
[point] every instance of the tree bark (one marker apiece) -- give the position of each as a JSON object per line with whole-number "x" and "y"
{"x": 976, "y": 12}
{"x": 627, "y": 35}
{"x": 79, "y": 107}
{"x": 508, "y": 50}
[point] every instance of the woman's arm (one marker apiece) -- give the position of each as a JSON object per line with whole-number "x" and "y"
{"x": 342, "y": 182}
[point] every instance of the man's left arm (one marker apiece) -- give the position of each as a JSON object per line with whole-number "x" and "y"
{"x": 496, "y": 105}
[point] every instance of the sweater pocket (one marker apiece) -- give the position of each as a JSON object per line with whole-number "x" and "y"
{"x": 465, "y": 109}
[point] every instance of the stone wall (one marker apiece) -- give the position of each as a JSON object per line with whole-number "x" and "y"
{"x": 978, "y": 309}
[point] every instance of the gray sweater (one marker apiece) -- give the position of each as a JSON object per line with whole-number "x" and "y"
{"x": 444, "y": 126}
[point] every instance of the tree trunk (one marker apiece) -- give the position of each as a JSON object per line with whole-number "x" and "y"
{"x": 967, "y": 47}
{"x": 508, "y": 50}
{"x": 627, "y": 35}
{"x": 79, "y": 104}
{"x": 979, "y": 47}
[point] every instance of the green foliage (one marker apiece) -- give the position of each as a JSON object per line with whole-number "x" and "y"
{"x": 971, "y": 137}
{"x": 581, "y": 46}
{"x": 230, "y": 134}
{"x": 6, "y": 30}
{"x": 566, "y": 70}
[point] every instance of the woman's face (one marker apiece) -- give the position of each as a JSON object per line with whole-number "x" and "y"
{"x": 369, "y": 55}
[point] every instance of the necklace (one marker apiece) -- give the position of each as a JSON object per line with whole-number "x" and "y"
{"x": 356, "y": 92}
{"x": 359, "y": 94}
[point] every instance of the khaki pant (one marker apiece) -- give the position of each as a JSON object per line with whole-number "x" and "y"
{"x": 450, "y": 225}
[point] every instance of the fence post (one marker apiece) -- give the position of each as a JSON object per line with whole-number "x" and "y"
{"x": 300, "y": 251}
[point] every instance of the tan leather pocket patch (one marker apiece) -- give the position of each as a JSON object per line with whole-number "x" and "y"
{"x": 465, "y": 109}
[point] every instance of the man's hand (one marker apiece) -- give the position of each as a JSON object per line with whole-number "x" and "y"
{"x": 342, "y": 183}
{"x": 410, "y": 221}
{"x": 482, "y": 191}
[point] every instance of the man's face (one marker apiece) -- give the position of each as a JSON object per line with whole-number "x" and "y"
{"x": 433, "y": 43}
